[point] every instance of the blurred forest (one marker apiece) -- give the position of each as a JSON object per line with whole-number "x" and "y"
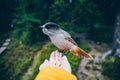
{"x": 99, "y": 20}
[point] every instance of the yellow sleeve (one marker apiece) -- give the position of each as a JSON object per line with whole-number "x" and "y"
{"x": 54, "y": 73}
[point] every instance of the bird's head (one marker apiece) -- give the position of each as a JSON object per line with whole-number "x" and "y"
{"x": 50, "y": 28}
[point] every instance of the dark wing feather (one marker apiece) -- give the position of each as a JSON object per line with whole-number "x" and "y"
{"x": 68, "y": 37}
{"x": 70, "y": 40}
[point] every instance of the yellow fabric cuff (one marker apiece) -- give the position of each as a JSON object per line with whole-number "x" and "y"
{"x": 54, "y": 73}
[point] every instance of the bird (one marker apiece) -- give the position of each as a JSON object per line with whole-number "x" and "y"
{"x": 62, "y": 39}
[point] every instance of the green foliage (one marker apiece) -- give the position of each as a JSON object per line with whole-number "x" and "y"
{"x": 58, "y": 11}
{"x": 77, "y": 16}
{"x": 74, "y": 62}
{"x": 26, "y": 23}
{"x": 44, "y": 54}
{"x": 15, "y": 61}
{"x": 17, "y": 33}
{"x": 29, "y": 35}
{"x": 102, "y": 33}
{"x": 85, "y": 14}
{"x": 111, "y": 68}
{"x": 67, "y": 27}
{"x": 84, "y": 47}
{"x": 7, "y": 9}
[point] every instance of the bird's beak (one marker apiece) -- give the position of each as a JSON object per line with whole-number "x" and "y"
{"x": 41, "y": 26}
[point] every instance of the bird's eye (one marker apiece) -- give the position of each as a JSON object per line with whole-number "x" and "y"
{"x": 48, "y": 27}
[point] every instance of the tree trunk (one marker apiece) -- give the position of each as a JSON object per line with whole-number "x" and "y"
{"x": 116, "y": 42}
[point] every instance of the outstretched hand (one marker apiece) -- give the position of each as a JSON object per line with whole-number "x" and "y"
{"x": 57, "y": 60}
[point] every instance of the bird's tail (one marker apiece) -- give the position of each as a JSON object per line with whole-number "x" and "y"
{"x": 77, "y": 51}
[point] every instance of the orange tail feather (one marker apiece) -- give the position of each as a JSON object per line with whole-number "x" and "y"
{"x": 77, "y": 51}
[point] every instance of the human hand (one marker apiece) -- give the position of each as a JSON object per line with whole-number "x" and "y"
{"x": 57, "y": 60}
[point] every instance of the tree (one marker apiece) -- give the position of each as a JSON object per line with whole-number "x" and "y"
{"x": 6, "y": 14}
{"x": 116, "y": 42}
{"x": 29, "y": 15}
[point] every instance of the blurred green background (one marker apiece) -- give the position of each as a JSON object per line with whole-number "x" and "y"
{"x": 19, "y": 21}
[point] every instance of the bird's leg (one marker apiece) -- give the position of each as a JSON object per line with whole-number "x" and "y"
{"x": 63, "y": 52}
{"x": 66, "y": 52}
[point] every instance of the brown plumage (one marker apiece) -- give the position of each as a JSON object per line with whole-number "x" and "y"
{"x": 77, "y": 51}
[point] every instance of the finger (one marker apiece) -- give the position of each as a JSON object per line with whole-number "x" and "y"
{"x": 52, "y": 55}
{"x": 56, "y": 55}
{"x": 65, "y": 64}
{"x": 45, "y": 61}
{"x": 59, "y": 55}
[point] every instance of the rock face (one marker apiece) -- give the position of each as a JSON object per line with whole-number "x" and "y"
{"x": 91, "y": 70}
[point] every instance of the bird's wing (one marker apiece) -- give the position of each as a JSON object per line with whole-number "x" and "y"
{"x": 70, "y": 40}
{"x": 68, "y": 37}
